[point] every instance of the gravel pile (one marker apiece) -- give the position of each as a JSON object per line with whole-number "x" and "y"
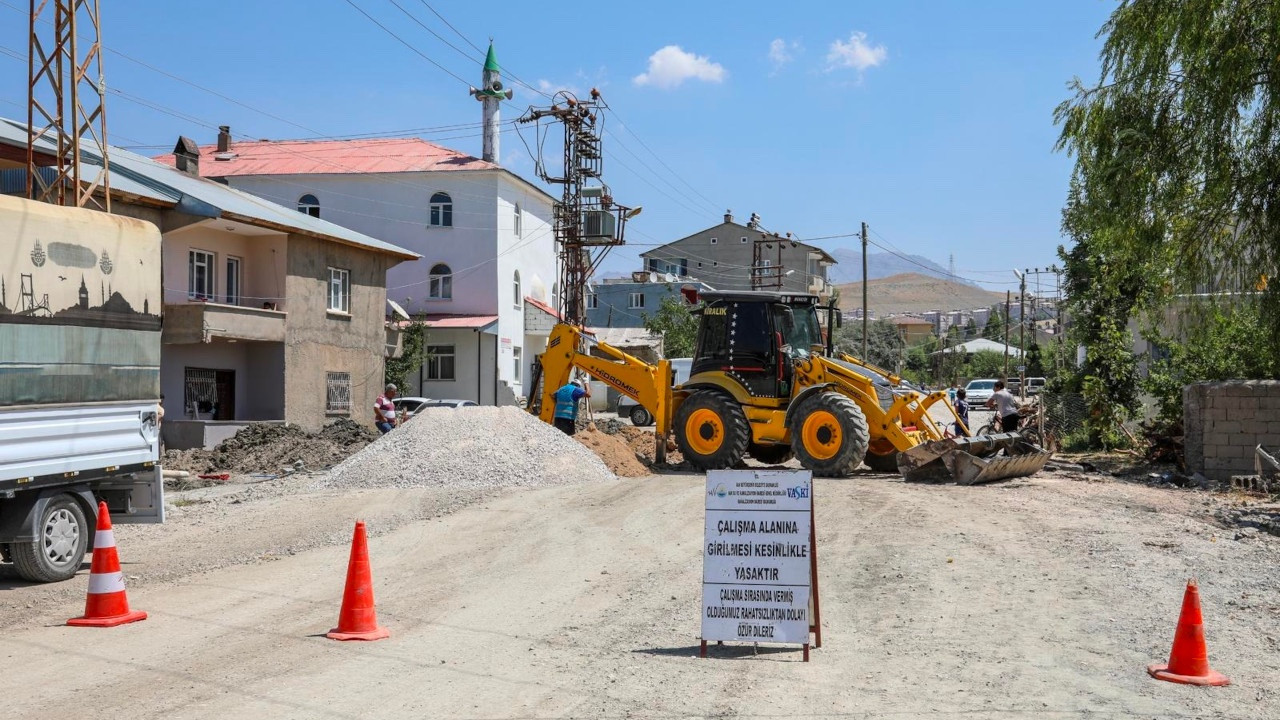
{"x": 474, "y": 447}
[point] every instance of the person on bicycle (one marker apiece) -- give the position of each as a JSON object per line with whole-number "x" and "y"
{"x": 1006, "y": 407}
{"x": 962, "y": 412}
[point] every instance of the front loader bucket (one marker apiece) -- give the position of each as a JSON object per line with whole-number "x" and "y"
{"x": 972, "y": 460}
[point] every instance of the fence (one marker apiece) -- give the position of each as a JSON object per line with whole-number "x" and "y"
{"x": 1064, "y": 416}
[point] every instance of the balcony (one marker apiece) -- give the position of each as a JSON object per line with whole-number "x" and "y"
{"x": 201, "y": 322}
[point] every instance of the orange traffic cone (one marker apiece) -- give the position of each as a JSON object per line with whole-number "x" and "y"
{"x": 106, "y": 605}
{"x": 1189, "y": 658}
{"x": 358, "y": 620}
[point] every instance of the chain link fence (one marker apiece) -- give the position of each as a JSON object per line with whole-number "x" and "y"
{"x": 1064, "y": 417}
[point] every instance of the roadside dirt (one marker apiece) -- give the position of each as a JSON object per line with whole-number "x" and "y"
{"x": 1042, "y": 597}
{"x": 615, "y": 452}
{"x": 269, "y": 449}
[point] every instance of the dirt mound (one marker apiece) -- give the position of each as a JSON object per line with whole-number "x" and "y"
{"x": 469, "y": 448}
{"x": 269, "y": 447}
{"x": 614, "y": 451}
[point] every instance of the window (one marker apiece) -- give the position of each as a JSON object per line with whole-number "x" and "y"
{"x": 744, "y": 239}
{"x": 200, "y": 271}
{"x": 517, "y": 219}
{"x": 714, "y": 241}
{"x": 593, "y": 302}
{"x": 337, "y": 399}
{"x": 555, "y": 295}
{"x": 233, "y": 280}
{"x": 441, "y": 210}
{"x": 515, "y": 287}
{"x": 309, "y": 205}
{"x": 699, "y": 264}
{"x": 440, "y": 362}
{"x": 516, "y": 356}
{"x": 339, "y": 290}
{"x": 635, "y": 300}
{"x": 441, "y": 282}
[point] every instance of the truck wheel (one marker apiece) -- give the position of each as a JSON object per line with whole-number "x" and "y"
{"x": 640, "y": 417}
{"x": 829, "y": 434}
{"x": 711, "y": 430}
{"x": 62, "y": 536}
{"x": 885, "y": 462}
{"x": 769, "y": 454}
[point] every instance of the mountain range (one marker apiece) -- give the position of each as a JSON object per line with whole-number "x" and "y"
{"x": 915, "y": 293}
{"x": 882, "y": 265}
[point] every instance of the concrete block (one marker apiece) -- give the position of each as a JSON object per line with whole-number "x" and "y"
{"x": 1249, "y": 404}
{"x": 1228, "y": 427}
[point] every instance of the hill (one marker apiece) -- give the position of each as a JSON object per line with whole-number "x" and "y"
{"x": 881, "y": 265}
{"x": 915, "y": 293}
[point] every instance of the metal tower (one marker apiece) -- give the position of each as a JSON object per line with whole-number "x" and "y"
{"x": 66, "y": 102}
{"x": 586, "y": 218}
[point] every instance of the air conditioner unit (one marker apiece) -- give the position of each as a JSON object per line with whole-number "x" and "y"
{"x": 599, "y": 224}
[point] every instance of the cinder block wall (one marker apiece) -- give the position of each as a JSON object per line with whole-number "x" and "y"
{"x": 1224, "y": 421}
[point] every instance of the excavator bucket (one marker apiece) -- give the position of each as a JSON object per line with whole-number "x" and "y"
{"x": 973, "y": 460}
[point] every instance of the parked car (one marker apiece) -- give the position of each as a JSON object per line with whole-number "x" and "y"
{"x": 449, "y": 404}
{"x": 1035, "y": 385}
{"x": 409, "y": 406}
{"x": 979, "y": 391}
{"x": 629, "y": 408}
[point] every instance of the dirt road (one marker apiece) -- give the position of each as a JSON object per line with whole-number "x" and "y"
{"x": 1039, "y": 598}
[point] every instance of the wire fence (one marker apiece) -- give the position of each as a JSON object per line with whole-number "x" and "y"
{"x": 1064, "y": 416}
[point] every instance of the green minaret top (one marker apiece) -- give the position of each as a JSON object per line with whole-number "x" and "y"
{"x": 491, "y": 60}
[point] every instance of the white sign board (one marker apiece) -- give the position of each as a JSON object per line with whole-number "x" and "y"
{"x": 756, "y": 557}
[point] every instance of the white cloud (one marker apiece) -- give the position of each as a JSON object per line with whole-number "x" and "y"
{"x": 857, "y": 54}
{"x": 781, "y": 53}
{"x": 551, "y": 88}
{"x": 671, "y": 66}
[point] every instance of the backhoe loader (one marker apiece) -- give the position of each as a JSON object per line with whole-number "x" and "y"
{"x": 762, "y": 385}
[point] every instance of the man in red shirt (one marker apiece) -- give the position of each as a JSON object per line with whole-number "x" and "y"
{"x": 384, "y": 411}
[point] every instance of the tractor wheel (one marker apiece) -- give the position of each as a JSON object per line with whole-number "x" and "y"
{"x": 829, "y": 434}
{"x": 882, "y": 457}
{"x": 769, "y": 454}
{"x": 711, "y": 430}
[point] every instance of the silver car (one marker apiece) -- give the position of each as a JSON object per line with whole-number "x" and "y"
{"x": 978, "y": 392}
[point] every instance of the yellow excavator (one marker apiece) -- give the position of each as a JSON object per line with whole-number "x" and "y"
{"x": 763, "y": 384}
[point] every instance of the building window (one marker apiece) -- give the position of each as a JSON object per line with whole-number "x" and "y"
{"x": 440, "y": 362}
{"x": 441, "y": 210}
{"x": 744, "y": 239}
{"x": 635, "y": 300}
{"x": 699, "y": 264}
{"x": 200, "y": 272}
{"x": 517, "y": 220}
{"x": 309, "y": 205}
{"x": 440, "y": 282}
{"x": 714, "y": 241}
{"x": 518, "y": 359}
{"x": 199, "y": 392}
{"x": 337, "y": 399}
{"x": 233, "y": 280}
{"x": 593, "y": 302}
{"x": 555, "y": 295}
{"x": 515, "y": 287}
{"x": 339, "y": 290}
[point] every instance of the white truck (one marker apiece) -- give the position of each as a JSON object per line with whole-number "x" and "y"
{"x": 80, "y": 320}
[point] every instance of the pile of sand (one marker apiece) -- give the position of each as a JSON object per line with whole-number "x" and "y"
{"x": 614, "y": 451}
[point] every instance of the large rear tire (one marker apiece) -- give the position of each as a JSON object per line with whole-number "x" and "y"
{"x": 711, "y": 430}
{"x": 829, "y": 434}
{"x": 62, "y": 537}
{"x": 770, "y": 454}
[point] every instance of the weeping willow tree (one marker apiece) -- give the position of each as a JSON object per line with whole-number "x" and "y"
{"x": 1174, "y": 201}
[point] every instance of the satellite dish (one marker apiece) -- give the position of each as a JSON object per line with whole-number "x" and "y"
{"x": 396, "y": 309}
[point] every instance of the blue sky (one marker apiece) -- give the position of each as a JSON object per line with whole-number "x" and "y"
{"x": 931, "y": 121}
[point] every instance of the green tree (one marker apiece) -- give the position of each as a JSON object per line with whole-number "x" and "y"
{"x": 676, "y": 324}
{"x": 985, "y": 364}
{"x": 413, "y": 352}
{"x": 994, "y": 329}
{"x": 884, "y": 344}
{"x": 1035, "y": 362}
{"x": 970, "y": 330}
{"x": 1176, "y": 148}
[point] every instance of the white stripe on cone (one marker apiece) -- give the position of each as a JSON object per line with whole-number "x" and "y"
{"x": 104, "y": 539}
{"x": 103, "y": 583}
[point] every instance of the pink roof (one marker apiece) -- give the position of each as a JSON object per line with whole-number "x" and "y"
{"x": 328, "y": 157}
{"x": 543, "y": 307}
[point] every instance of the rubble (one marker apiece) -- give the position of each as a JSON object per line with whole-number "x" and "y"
{"x": 272, "y": 447}
{"x": 468, "y": 448}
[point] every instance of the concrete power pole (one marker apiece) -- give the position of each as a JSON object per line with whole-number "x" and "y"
{"x": 1006, "y": 335}
{"x": 864, "y": 293}
{"x": 1022, "y": 335}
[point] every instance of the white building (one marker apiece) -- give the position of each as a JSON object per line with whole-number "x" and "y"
{"x": 484, "y": 234}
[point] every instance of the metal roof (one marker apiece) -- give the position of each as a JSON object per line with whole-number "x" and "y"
{"x": 544, "y": 307}
{"x": 331, "y": 157}
{"x": 980, "y": 345}
{"x": 148, "y": 180}
{"x": 471, "y": 322}
{"x": 823, "y": 255}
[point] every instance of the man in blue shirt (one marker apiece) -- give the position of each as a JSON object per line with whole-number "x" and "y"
{"x": 566, "y": 413}
{"x": 962, "y": 410}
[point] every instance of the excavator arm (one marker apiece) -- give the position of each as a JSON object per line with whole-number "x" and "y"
{"x": 649, "y": 385}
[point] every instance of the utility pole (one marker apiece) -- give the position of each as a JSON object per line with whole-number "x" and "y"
{"x": 1006, "y": 334}
{"x": 586, "y": 216}
{"x": 1022, "y": 335}
{"x": 66, "y": 103}
{"x": 864, "y": 292}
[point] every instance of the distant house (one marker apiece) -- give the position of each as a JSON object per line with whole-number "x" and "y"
{"x": 723, "y": 256}
{"x": 979, "y": 345}
{"x": 269, "y": 314}
{"x": 623, "y": 303}
{"x": 913, "y": 330}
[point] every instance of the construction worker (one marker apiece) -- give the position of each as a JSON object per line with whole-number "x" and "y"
{"x": 566, "y": 413}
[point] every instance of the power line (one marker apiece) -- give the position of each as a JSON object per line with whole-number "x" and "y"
{"x": 405, "y": 43}
{"x": 933, "y": 270}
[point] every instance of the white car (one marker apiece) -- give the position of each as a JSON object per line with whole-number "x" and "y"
{"x": 978, "y": 392}
{"x": 638, "y": 414}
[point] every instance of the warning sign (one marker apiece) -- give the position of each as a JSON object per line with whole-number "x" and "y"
{"x": 757, "y": 560}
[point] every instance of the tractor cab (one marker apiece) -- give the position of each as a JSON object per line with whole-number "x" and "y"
{"x": 754, "y": 337}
